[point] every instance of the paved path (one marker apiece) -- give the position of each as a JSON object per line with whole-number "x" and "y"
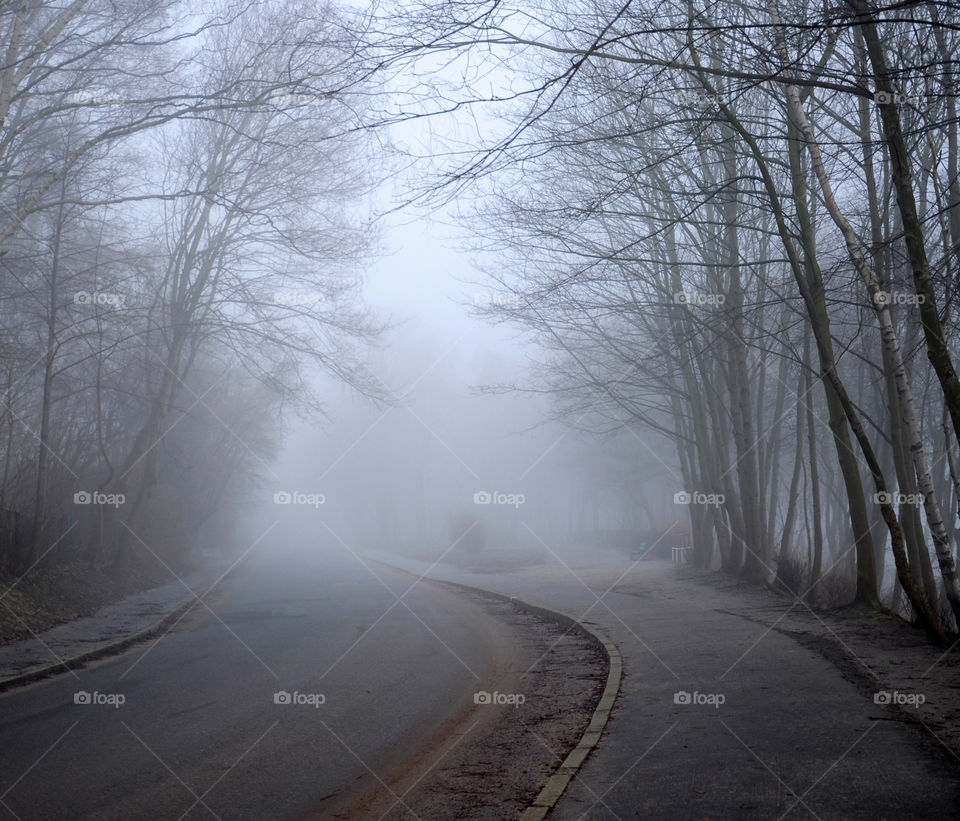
{"x": 773, "y": 730}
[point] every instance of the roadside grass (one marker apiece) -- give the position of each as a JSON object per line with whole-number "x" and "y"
{"x": 22, "y": 612}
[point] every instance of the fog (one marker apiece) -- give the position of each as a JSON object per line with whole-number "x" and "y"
{"x": 459, "y": 458}
{"x": 464, "y": 410}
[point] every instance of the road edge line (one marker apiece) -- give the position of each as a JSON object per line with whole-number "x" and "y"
{"x": 556, "y": 785}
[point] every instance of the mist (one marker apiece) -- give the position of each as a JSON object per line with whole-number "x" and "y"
{"x": 478, "y": 410}
{"x": 456, "y": 462}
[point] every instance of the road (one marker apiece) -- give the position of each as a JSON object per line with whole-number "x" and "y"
{"x": 199, "y": 733}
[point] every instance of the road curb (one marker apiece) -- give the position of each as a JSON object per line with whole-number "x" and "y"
{"x": 557, "y": 784}
{"x": 164, "y": 623}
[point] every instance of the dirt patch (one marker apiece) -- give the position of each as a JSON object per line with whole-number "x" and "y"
{"x": 495, "y": 764}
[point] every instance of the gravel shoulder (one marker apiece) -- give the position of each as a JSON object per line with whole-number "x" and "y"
{"x": 491, "y": 760}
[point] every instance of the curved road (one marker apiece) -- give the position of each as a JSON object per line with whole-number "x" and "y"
{"x": 199, "y": 733}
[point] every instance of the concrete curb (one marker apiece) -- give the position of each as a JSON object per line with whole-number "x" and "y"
{"x": 548, "y": 797}
{"x": 552, "y": 791}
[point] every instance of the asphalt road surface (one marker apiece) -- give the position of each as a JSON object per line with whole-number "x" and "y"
{"x": 191, "y": 727}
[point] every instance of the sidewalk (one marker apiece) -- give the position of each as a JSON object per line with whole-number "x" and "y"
{"x": 131, "y": 619}
{"x": 724, "y": 716}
